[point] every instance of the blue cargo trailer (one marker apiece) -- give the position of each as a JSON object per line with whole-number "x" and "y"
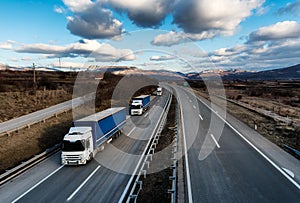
{"x": 89, "y": 134}
{"x": 140, "y": 104}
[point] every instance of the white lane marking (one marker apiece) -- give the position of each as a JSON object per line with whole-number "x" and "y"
{"x": 25, "y": 193}
{"x": 146, "y": 114}
{"x": 254, "y": 147}
{"x": 200, "y": 117}
{"x": 214, "y": 139}
{"x": 82, "y": 184}
{"x": 140, "y": 160}
{"x": 190, "y": 100}
{"x": 131, "y": 131}
{"x": 289, "y": 172}
{"x": 188, "y": 176}
{"x": 194, "y": 106}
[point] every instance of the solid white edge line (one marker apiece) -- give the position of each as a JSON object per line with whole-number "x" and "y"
{"x": 214, "y": 139}
{"x": 146, "y": 114}
{"x": 188, "y": 176}
{"x": 131, "y": 131}
{"x": 200, "y": 117}
{"x": 138, "y": 164}
{"x": 40, "y": 182}
{"x": 254, "y": 147}
{"x": 82, "y": 184}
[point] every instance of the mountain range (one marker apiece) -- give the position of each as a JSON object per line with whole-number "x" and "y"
{"x": 288, "y": 73}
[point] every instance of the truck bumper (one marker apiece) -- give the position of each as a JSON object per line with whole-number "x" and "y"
{"x": 73, "y": 162}
{"x": 133, "y": 113}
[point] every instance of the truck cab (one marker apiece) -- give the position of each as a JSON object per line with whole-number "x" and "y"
{"x": 136, "y": 107}
{"x": 139, "y": 104}
{"x": 77, "y": 146}
{"x": 159, "y": 91}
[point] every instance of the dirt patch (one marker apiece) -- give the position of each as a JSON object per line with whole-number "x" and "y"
{"x": 155, "y": 185}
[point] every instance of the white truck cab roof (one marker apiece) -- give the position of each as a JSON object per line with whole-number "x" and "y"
{"x": 78, "y": 133}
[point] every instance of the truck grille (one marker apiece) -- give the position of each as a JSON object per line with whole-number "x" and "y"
{"x": 72, "y": 157}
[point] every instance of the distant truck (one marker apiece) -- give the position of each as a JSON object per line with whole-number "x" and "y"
{"x": 139, "y": 105}
{"x": 88, "y": 135}
{"x": 159, "y": 91}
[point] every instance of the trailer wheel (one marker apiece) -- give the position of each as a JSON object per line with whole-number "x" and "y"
{"x": 90, "y": 157}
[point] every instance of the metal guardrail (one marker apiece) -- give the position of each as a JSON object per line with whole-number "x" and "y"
{"x": 10, "y": 174}
{"x": 173, "y": 178}
{"x": 137, "y": 183}
{"x": 292, "y": 150}
{"x": 24, "y": 121}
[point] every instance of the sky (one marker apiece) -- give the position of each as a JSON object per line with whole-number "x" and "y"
{"x": 177, "y": 35}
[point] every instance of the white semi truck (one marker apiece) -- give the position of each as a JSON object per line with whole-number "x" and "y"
{"x": 159, "y": 91}
{"x": 88, "y": 135}
{"x": 139, "y": 105}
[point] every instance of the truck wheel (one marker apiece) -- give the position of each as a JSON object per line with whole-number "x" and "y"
{"x": 90, "y": 157}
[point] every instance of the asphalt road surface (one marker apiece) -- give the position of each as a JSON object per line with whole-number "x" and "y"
{"x": 40, "y": 115}
{"x": 102, "y": 180}
{"x": 223, "y": 167}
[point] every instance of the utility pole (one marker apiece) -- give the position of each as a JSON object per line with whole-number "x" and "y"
{"x": 34, "y": 79}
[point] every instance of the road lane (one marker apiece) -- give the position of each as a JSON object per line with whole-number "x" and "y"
{"x": 235, "y": 172}
{"x": 61, "y": 185}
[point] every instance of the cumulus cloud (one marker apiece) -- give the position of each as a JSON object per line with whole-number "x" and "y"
{"x": 229, "y": 51}
{"x": 224, "y": 16}
{"x": 84, "y": 48}
{"x": 272, "y": 46}
{"x": 278, "y": 31}
{"x": 201, "y": 20}
{"x": 7, "y": 44}
{"x": 78, "y": 5}
{"x": 293, "y": 8}
{"x": 162, "y": 58}
{"x": 58, "y": 9}
{"x": 92, "y": 20}
{"x": 173, "y": 38}
{"x": 198, "y": 19}
{"x": 95, "y": 23}
{"x": 144, "y": 13}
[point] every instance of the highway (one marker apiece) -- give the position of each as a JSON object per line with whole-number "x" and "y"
{"x": 40, "y": 115}
{"x": 102, "y": 180}
{"x": 222, "y": 167}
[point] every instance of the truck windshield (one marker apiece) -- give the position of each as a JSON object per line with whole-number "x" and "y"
{"x": 136, "y": 106}
{"x": 68, "y": 146}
